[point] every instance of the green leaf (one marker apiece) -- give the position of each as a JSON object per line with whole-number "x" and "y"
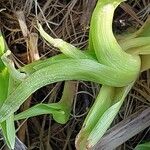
{"x": 94, "y": 128}
{"x": 144, "y": 31}
{"x": 106, "y": 47}
{"x": 60, "y": 110}
{"x": 134, "y": 43}
{"x": 143, "y": 50}
{"x": 145, "y": 62}
{"x": 82, "y": 69}
{"x": 4, "y": 82}
{"x": 101, "y": 104}
{"x": 15, "y": 74}
{"x": 39, "y": 64}
{"x": 2, "y": 44}
{"x": 104, "y": 123}
{"x": 145, "y": 146}
{"x": 66, "y": 48}
{"x": 108, "y": 52}
{"x": 7, "y": 126}
{"x": 9, "y": 132}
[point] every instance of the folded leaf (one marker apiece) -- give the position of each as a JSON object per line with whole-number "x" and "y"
{"x": 7, "y": 126}
{"x": 88, "y": 137}
{"x": 60, "y": 110}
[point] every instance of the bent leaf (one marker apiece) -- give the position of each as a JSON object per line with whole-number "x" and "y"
{"x": 60, "y": 110}
{"x": 82, "y": 69}
{"x": 66, "y": 48}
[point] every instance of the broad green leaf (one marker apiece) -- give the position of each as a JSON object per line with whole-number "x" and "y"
{"x": 37, "y": 65}
{"x": 82, "y": 69}
{"x": 7, "y": 126}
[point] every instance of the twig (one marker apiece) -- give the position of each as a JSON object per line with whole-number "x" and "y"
{"x": 87, "y": 13}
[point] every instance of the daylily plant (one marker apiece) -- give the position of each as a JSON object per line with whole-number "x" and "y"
{"x": 115, "y": 63}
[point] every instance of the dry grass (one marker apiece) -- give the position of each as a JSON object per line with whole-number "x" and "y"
{"x": 69, "y": 20}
